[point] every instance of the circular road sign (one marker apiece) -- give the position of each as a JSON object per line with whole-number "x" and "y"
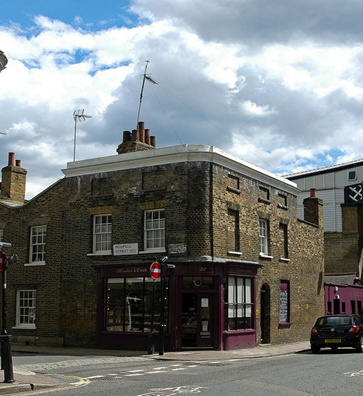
{"x": 155, "y": 270}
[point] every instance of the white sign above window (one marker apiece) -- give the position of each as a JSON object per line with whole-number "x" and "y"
{"x": 125, "y": 249}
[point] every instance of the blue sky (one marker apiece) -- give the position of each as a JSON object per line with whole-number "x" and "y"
{"x": 94, "y": 14}
{"x": 278, "y": 86}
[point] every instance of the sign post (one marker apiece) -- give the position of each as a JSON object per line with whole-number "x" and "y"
{"x": 155, "y": 273}
{"x": 6, "y": 357}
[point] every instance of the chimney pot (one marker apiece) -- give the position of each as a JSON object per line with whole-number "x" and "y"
{"x": 18, "y": 163}
{"x": 147, "y": 136}
{"x": 152, "y": 141}
{"x": 312, "y": 192}
{"x": 126, "y": 136}
{"x": 141, "y": 132}
{"x": 11, "y": 159}
{"x": 134, "y": 135}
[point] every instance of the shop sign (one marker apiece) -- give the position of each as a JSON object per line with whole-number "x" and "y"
{"x": 125, "y": 249}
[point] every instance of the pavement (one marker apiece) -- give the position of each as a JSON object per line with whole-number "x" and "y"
{"x": 25, "y": 381}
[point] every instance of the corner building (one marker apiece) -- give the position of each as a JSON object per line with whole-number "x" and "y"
{"x": 246, "y": 269}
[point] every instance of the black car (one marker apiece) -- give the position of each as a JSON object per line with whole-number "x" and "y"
{"x": 337, "y": 331}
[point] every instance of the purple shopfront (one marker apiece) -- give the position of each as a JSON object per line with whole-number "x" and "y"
{"x": 207, "y": 305}
{"x": 343, "y": 294}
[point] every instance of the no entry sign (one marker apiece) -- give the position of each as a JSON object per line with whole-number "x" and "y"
{"x": 155, "y": 270}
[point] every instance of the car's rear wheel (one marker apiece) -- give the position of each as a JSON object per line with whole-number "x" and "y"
{"x": 359, "y": 348}
{"x": 315, "y": 349}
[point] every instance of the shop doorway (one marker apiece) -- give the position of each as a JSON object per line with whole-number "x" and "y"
{"x": 197, "y": 329}
{"x": 265, "y": 314}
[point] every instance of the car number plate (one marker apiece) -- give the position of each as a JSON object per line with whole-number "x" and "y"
{"x": 333, "y": 340}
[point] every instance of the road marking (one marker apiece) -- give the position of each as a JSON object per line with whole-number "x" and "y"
{"x": 135, "y": 371}
{"x": 133, "y": 375}
{"x": 178, "y": 369}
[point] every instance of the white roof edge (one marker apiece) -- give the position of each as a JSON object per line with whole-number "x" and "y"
{"x": 175, "y": 154}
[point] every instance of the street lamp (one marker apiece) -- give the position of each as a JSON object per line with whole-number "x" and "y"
{"x": 3, "y": 61}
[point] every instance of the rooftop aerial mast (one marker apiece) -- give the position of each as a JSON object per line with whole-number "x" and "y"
{"x": 145, "y": 77}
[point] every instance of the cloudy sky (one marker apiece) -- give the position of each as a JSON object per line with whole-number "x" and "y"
{"x": 277, "y": 83}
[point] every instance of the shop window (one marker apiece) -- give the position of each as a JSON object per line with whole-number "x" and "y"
{"x": 133, "y": 304}
{"x": 336, "y": 306}
{"x": 37, "y": 244}
{"x": 352, "y": 306}
{"x": 329, "y": 307}
{"x": 233, "y": 243}
{"x": 343, "y": 307}
{"x": 284, "y": 302}
{"x": 285, "y": 241}
{"x": 102, "y": 232}
{"x": 359, "y": 310}
{"x": 154, "y": 230}
{"x": 26, "y": 309}
{"x": 238, "y": 304}
{"x": 264, "y": 237}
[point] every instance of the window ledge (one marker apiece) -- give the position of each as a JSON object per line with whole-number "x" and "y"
{"x": 234, "y": 253}
{"x": 234, "y": 190}
{"x": 284, "y": 207}
{"x": 34, "y": 264}
{"x": 25, "y": 327}
{"x": 100, "y": 254}
{"x": 286, "y": 260}
{"x": 285, "y": 324}
{"x": 265, "y": 256}
{"x": 153, "y": 251}
{"x": 265, "y": 201}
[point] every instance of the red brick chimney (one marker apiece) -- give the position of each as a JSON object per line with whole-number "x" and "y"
{"x": 13, "y": 182}
{"x": 313, "y": 209}
{"x": 137, "y": 140}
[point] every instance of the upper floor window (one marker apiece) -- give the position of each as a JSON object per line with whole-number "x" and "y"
{"x": 285, "y": 241}
{"x": 37, "y": 244}
{"x": 26, "y": 308}
{"x": 282, "y": 201}
{"x": 233, "y": 243}
{"x": 264, "y": 195}
{"x": 102, "y": 232}
{"x": 154, "y": 229}
{"x": 264, "y": 237}
{"x": 233, "y": 184}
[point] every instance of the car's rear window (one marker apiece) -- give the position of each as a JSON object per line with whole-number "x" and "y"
{"x": 334, "y": 320}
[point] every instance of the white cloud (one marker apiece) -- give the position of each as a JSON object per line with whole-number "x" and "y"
{"x": 284, "y": 103}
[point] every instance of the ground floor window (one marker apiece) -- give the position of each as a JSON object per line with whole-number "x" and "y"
{"x": 25, "y": 308}
{"x": 238, "y": 303}
{"x": 284, "y": 301}
{"x": 132, "y": 304}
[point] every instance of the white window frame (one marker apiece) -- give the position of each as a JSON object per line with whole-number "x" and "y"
{"x": 104, "y": 233}
{"x": 263, "y": 236}
{"x": 154, "y": 231}
{"x": 26, "y": 312}
{"x": 39, "y": 242}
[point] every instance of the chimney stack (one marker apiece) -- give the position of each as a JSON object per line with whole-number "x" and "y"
{"x": 13, "y": 182}
{"x": 313, "y": 209}
{"x": 138, "y": 140}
